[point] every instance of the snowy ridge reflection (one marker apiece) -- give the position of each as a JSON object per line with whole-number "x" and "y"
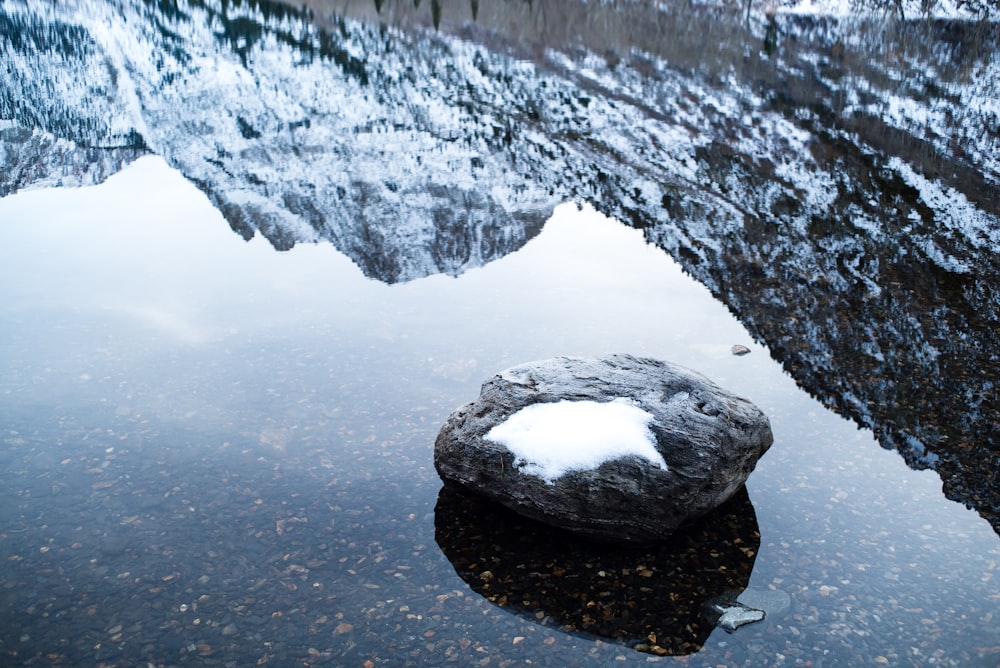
{"x": 650, "y": 598}
{"x": 836, "y": 185}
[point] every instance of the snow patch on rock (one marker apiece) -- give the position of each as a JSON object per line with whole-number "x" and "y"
{"x": 549, "y": 440}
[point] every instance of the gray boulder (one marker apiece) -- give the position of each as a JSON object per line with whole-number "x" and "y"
{"x": 615, "y": 448}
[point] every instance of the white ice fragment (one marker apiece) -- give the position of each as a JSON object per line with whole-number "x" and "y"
{"x": 734, "y": 616}
{"x": 552, "y": 439}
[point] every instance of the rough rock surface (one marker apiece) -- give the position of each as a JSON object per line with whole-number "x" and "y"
{"x": 709, "y": 439}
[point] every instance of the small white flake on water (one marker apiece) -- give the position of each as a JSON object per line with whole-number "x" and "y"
{"x": 735, "y": 616}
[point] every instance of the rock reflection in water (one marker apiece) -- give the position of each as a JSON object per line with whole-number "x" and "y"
{"x": 652, "y": 598}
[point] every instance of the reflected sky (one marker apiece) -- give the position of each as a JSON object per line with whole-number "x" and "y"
{"x": 145, "y": 265}
{"x": 136, "y": 328}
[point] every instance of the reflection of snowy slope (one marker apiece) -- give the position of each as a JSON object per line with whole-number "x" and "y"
{"x": 838, "y": 188}
{"x": 35, "y": 158}
{"x": 63, "y": 119}
{"x": 288, "y": 135}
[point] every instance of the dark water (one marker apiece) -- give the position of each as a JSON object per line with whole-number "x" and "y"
{"x": 217, "y": 453}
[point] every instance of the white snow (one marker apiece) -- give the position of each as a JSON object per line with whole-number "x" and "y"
{"x": 912, "y": 8}
{"x": 552, "y": 439}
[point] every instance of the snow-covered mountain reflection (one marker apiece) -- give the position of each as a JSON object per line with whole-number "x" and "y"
{"x": 836, "y": 184}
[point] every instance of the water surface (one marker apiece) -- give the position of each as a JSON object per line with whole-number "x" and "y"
{"x": 215, "y": 453}
{"x": 217, "y": 447}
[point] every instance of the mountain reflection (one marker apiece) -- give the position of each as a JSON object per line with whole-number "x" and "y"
{"x": 834, "y": 183}
{"x": 653, "y": 597}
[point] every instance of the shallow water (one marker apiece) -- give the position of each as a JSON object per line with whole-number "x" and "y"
{"x": 216, "y": 453}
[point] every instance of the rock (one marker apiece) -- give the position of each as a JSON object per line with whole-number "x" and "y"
{"x": 614, "y": 448}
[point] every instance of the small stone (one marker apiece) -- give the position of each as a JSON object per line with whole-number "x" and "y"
{"x": 343, "y": 628}
{"x": 740, "y": 350}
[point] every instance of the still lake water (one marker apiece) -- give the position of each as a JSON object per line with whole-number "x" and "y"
{"x": 219, "y": 454}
